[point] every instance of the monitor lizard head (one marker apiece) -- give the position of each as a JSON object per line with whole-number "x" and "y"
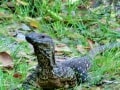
{"x": 39, "y": 39}
{"x": 43, "y": 47}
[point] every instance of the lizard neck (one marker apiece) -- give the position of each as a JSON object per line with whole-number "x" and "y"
{"x": 45, "y": 57}
{"x": 45, "y": 64}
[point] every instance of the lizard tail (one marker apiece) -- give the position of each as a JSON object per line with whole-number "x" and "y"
{"x": 92, "y": 53}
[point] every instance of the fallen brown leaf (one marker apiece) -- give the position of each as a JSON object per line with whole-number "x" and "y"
{"x": 5, "y": 60}
{"x": 81, "y": 49}
{"x": 8, "y": 4}
{"x": 61, "y": 58}
{"x": 34, "y": 23}
{"x": 61, "y": 49}
{"x": 91, "y": 43}
{"x": 17, "y": 75}
{"x": 5, "y": 15}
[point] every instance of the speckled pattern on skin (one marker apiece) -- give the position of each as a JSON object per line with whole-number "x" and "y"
{"x": 50, "y": 74}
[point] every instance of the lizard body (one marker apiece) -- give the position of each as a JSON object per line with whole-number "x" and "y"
{"x": 50, "y": 74}
{"x": 47, "y": 75}
{"x": 82, "y": 64}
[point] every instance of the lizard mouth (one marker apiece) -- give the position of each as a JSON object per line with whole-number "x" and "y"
{"x": 31, "y": 37}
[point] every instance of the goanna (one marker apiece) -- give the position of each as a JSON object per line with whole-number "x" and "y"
{"x": 47, "y": 75}
{"x": 50, "y": 75}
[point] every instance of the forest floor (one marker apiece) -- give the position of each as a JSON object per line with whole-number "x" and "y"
{"x": 75, "y": 28}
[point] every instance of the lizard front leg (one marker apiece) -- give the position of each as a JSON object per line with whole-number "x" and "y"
{"x": 31, "y": 83}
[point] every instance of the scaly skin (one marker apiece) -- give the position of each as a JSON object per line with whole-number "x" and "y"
{"x": 52, "y": 75}
{"x": 47, "y": 75}
{"x": 82, "y": 64}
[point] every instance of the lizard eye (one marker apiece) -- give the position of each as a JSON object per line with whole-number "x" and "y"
{"x": 43, "y": 36}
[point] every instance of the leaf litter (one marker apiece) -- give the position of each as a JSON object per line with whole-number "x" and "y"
{"x": 6, "y": 60}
